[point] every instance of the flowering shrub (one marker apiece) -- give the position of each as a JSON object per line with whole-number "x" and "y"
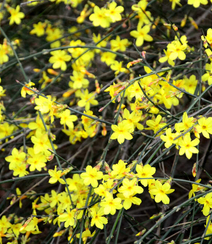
{"x": 105, "y": 116}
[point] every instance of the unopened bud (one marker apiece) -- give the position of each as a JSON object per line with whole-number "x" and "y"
{"x": 193, "y": 22}
{"x": 183, "y": 22}
{"x": 141, "y": 232}
{"x": 168, "y": 26}
{"x": 175, "y": 27}
{"x": 52, "y": 72}
{"x": 143, "y": 54}
{"x": 36, "y": 70}
{"x": 101, "y": 109}
{"x": 194, "y": 170}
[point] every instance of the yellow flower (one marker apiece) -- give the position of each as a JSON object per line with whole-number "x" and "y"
{"x": 119, "y": 170}
{"x": 17, "y": 163}
{"x": 190, "y": 84}
{"x": 208, "y": 38}
{"x": 39, "y": 29}
{"x": 16, "y": 158}
{"x": 100, "y": 18}
{"x": 145, "y": 171}
{"x": 25, "y": 90}
{"x": 68, "y": 217}
{"x": 167, "y": 58}
{"x": 110, "y": 204}
{"x": 78, "y": 81}
{"x": 5, "y": 224}
{"x": 122, "y": 131}
{"x": 209, "y": 228}
{"x": 114, "y": 12}
{"x": 208, "y": 75}
{"x": 187, "y": 123}
{"x": 41, "y": 142}
{"x": 205, "y": 126}
{"x": 44, "y": 104}
{"x": 155, "y": 124}
{"x": 133, "y": 119}
{"x": 119, "y": 44}
{"x": 91, "y": 176}
{"x": 143, "y": 15}
{"x": 67, "y": 119}
{"x": 53, "y": 34}
{"x": 15, "y": 229}
{"x": 196, "y": 3}
{"x": 108, "y": 58}
{"x": 130, "y": 187}
{"x": 36, "y": 161}
{"x": 97, "y": 218}
{"x": 177, "y": 48}
{"x": 128, "y": 201}
{"x": 87, "y": 99}
{"x": 117, "y": 67}
{"x": 59, "y": 59}
{"x": 169, "y": 138}
{"x": 76, "y": 51}
{"x": 3, "y": 55}
{"x": 56, "y": 176}
{"x": 2, "y": 93}
{"x": 141, "y": 35}
{"x": 16, "y": 16}
{"x": 6, "y": 129}
{"x": 187, "y": 146}
{"x": 75, "y": 184}
{"x": 85, "y": 235}
{"x": 161, "y": 191}
{"x": 195, "y": 188}
{"x": 31, "y": 225}
{"x": 207, "y": 202}
{"x": 88, "y": 123}
{"x": 101, "y": 43}
{"x": 38, "y": 124}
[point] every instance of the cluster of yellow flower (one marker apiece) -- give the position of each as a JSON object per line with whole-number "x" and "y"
{"x": 145, "y": 95}
{"x": 112, "y": 191}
